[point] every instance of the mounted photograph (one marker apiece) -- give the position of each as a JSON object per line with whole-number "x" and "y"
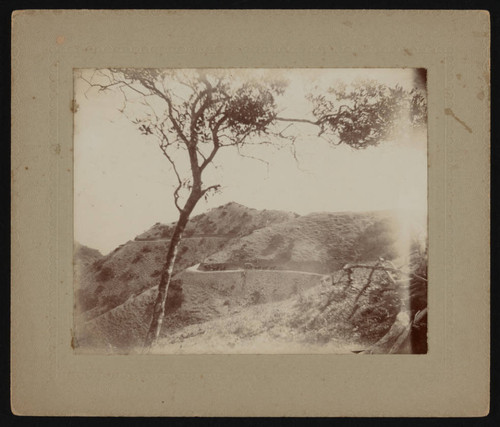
{"x": 250, "y": 211}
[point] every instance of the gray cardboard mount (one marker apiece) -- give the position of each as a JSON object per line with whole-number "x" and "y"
{"x": 49, "y": 379}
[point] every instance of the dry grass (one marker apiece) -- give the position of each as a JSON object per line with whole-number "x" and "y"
{"x": 116, "y": 291}
{"x": 300, "y": 324}
{"x": 319, "y": 242}
{"x": 214, "y": 319}
{"x": 136, "y": 265}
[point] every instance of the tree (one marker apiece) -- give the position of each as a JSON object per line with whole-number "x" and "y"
{"x": 193, "y": 114}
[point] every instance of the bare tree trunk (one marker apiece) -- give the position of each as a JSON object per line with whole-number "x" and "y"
{"x": 165, "y": 278}
{"x": 166, "y": 274}
{"x": 368, "y": 283}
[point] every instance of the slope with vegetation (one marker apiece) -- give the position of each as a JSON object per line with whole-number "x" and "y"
{"x": 106, "y": 282}
{"x": 117, "y": 291}
{"x": 318, "y": 242}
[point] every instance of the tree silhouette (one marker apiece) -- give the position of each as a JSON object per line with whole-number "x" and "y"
{"x": 194, "y": 114}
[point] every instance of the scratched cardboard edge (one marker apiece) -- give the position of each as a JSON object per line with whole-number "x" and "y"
{"x": 47, "y": 379}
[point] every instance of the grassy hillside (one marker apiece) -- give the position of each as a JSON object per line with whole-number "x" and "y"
{"x": 319, "y": 319}
{"x": 83, "y": 257}
{"x": 319, "y": 242}
{"x": 133, "y": 268}
{"x": 232, "y": 219}
{"x": 106, "y": 282}
{"x": 116, "y": 292}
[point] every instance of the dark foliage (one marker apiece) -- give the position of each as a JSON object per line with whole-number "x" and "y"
{"x": 137, "y": 258}
{"x": 166, "y": 233}
{"x": 155, "y": 273}
{"x": 365, "y": 113}
{"x": 274, "y": 243}
{"x": 418, "y": 300}
{"x": 256, "y": 298}
{"x": 105, "y": 274}
{"x": 175, "y": 296}
{"x": 112, "y": 301}
{"x": 85, "y": 300}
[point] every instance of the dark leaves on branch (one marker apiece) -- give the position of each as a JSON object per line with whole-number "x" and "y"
{"x": 368, "y": 112}
{"x": 145, "y": 130}
{"x": 252, "y": 107}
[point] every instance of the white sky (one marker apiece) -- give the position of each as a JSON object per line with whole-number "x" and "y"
{"x": 123, "y": 184}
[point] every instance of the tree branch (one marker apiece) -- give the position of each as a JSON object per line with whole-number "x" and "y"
{"x": 179, "y": 186}
{"x": 215, "y": 141}
{"x": 283, "y": 119}
{"x": 212, "y": 187}
{"x": 150, "y": 85}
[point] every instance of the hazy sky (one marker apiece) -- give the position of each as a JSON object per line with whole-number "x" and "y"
{"x": 123, "y": 184}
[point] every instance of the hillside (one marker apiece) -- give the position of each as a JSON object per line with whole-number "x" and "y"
{"x": 314, "y": 320}
{"x": 116, "y": 291}
{"x": 83, "y": 257}
{"x": 106, "y": 282}
{"x": 318, "y": 242}
{"x": 230, "y": 220}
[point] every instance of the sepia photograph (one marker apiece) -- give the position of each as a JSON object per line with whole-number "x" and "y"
{"x": 250, "y": 211}
{"x": 237, "y": 213}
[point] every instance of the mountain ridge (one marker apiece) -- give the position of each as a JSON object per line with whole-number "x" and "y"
{"x": 118, "y": 288}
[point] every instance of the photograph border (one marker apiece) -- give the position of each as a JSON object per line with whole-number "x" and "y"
{"x": 49, "y": 379}
{"x": 404, "y": 181}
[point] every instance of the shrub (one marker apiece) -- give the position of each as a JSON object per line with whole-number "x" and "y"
{"x": 209, "y": 227}
{"x": 112, "y": 301}
{"x": 256, "y": 298}
{"x": 146, "y": 248}
{"x": 137, "y": 258}
{"x": 274, "y": 243}
{"x": 373, "y": 322}
{"x": 175, "y": 296}
{"x": 98, "y": 264}
{"x": 155, "y": 273}
{"x": 105, "y": 274}
{"x": 166, "y": 232}
{"x": 286, "y": 254}
{"x": 126, "y": 276}
{"x": 189, "y": 233}
{"x": 240, "y": 254}
{"x": 235, "y": 230}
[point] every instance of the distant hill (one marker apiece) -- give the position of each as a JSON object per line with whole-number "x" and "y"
{"x": 84, "y": 255}
{"x": 230, "y": 220}
{"x": 201, "y": 321}
{"x": 318, "y": 242}
{"x": 106, "y": 282}
{"x": 115, "y": 292}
